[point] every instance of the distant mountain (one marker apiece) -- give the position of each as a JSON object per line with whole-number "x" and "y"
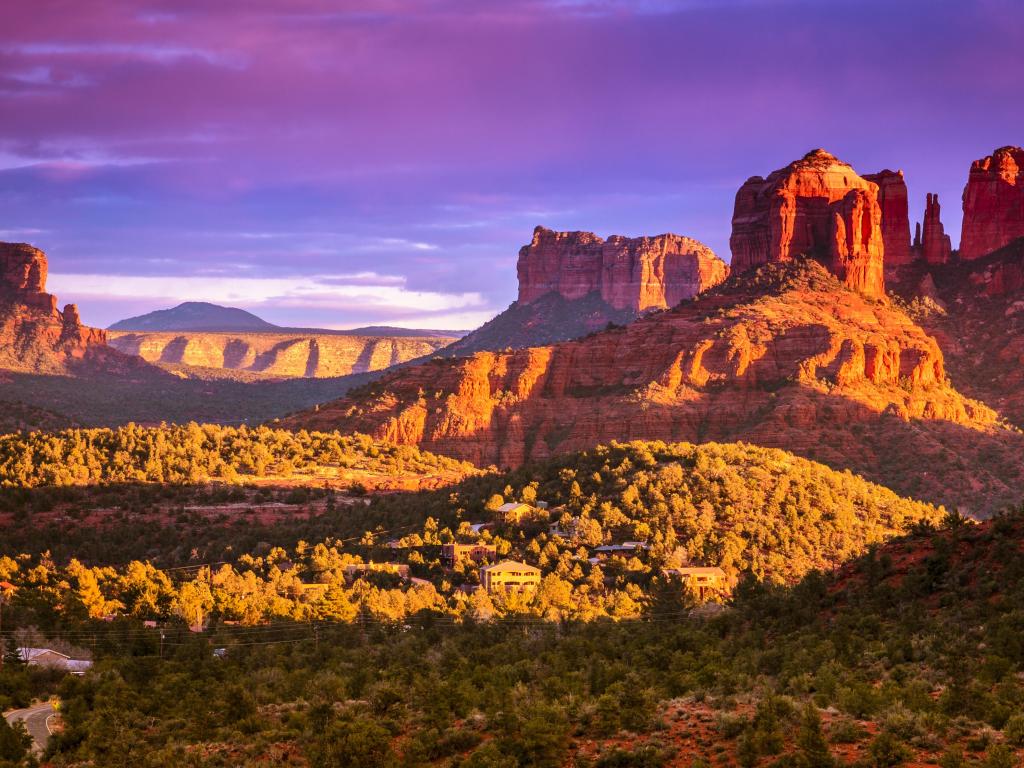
{"x": 195, "y": 316}
{"x": 213, "y": 318}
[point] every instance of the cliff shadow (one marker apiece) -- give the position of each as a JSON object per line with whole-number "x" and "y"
{"x": 174, "y": 352}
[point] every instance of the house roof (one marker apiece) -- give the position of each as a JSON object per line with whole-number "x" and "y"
{"x": 77, "y": 666}
{"x": 512, "y": 506}
{"x": 510, "y": 565}
{"x": 697, "y": 570}
{"x": 626, "y": 546}
{"x": 28, "y": 654}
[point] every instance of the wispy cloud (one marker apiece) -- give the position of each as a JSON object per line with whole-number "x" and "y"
{"x": 161, "y": 54}
{"x": 361, "y": 290}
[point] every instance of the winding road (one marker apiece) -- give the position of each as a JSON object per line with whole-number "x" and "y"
{"x": 37, "y": 721}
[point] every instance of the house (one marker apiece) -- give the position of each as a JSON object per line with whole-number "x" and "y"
{"x": 509, "y": 575}
{"x": 477, "y": 552}
{"x": 47, "y": 657}
{"x": 478, "y": 528}
{"x": 514, "y": 512}
{"x": 704, "y": 582}
{"x": 624, "y": 547}
{"x": 355, "y": 569}
{"x": 569, "y": 531}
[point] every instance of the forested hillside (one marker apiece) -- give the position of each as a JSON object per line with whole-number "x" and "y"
{"x": 902, "y": 657}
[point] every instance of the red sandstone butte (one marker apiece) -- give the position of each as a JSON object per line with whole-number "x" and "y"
{"x": 817, "y": 206}
{"x": 892, "y": 198}
{"x": 993, "y": 203}
{"x": 635, "y": 274}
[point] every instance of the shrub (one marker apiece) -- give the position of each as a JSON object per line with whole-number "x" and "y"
{"x": 887, "y": 751}
{"x": 1014, "y": 730}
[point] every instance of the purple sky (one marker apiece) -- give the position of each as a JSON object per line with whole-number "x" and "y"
{"x": 347, "y": 162}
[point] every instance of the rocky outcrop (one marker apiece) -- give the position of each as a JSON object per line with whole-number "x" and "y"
{"x": 277, "y": 354}
{"x": 931, "y": 243}
{"x": 23, "y": 277}
{"x": 34, "y": 335}
{"x": 634, "y": 274}
{"x": 892, "y": 199}
{"x": 993, "y": 203}
{"x": 785, "y": 357}
{"x": 817, "y": 206}
{"x": 575, "y": 283}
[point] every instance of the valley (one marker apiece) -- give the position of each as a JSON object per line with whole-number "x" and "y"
{"x": 748, "y": 493}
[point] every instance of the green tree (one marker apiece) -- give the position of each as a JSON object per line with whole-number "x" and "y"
{"x": 812, "y": 748}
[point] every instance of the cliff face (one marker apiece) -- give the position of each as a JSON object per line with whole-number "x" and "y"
{"x": 34, "y": 335}
{"x": 634, "y": 274}
{"x": 276, "y": 354}
{"x": 783, "y": 357}
{"x": 817, "y": 206}
{"x": 892, "y": 199}
{"x": 993, "y": 203}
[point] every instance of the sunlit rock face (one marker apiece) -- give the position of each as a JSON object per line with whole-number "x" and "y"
{"x": 993, "y": 203}
{"x": 817, "y": 206}
{"x": 635, "y": 274}
{"x": 34, "y": 335}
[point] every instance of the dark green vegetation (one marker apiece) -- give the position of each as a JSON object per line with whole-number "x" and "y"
{"x": 17, "y": 417}
{"x": 916, "y": 647}
{"x": 153, "y": 395}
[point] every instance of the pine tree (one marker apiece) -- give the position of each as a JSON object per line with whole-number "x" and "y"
{"x": 812, "y": 749}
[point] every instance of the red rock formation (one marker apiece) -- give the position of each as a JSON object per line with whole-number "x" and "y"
{"x": 23, "y": 276}
{"x": 816, "y": 206}
{"x": 934, "y": 246}
{"x": 993, "y": 203}
{"x": 784, "y": 358}
{"x": 634, "y": 274}
{"x": 892, "y": 198}
{"x": 34, "y": 336}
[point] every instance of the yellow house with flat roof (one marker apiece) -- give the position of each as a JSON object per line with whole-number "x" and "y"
{"x": 509, "y": 575}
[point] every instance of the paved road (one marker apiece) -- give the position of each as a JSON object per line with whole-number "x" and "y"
{"x": 37, "y": 721}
